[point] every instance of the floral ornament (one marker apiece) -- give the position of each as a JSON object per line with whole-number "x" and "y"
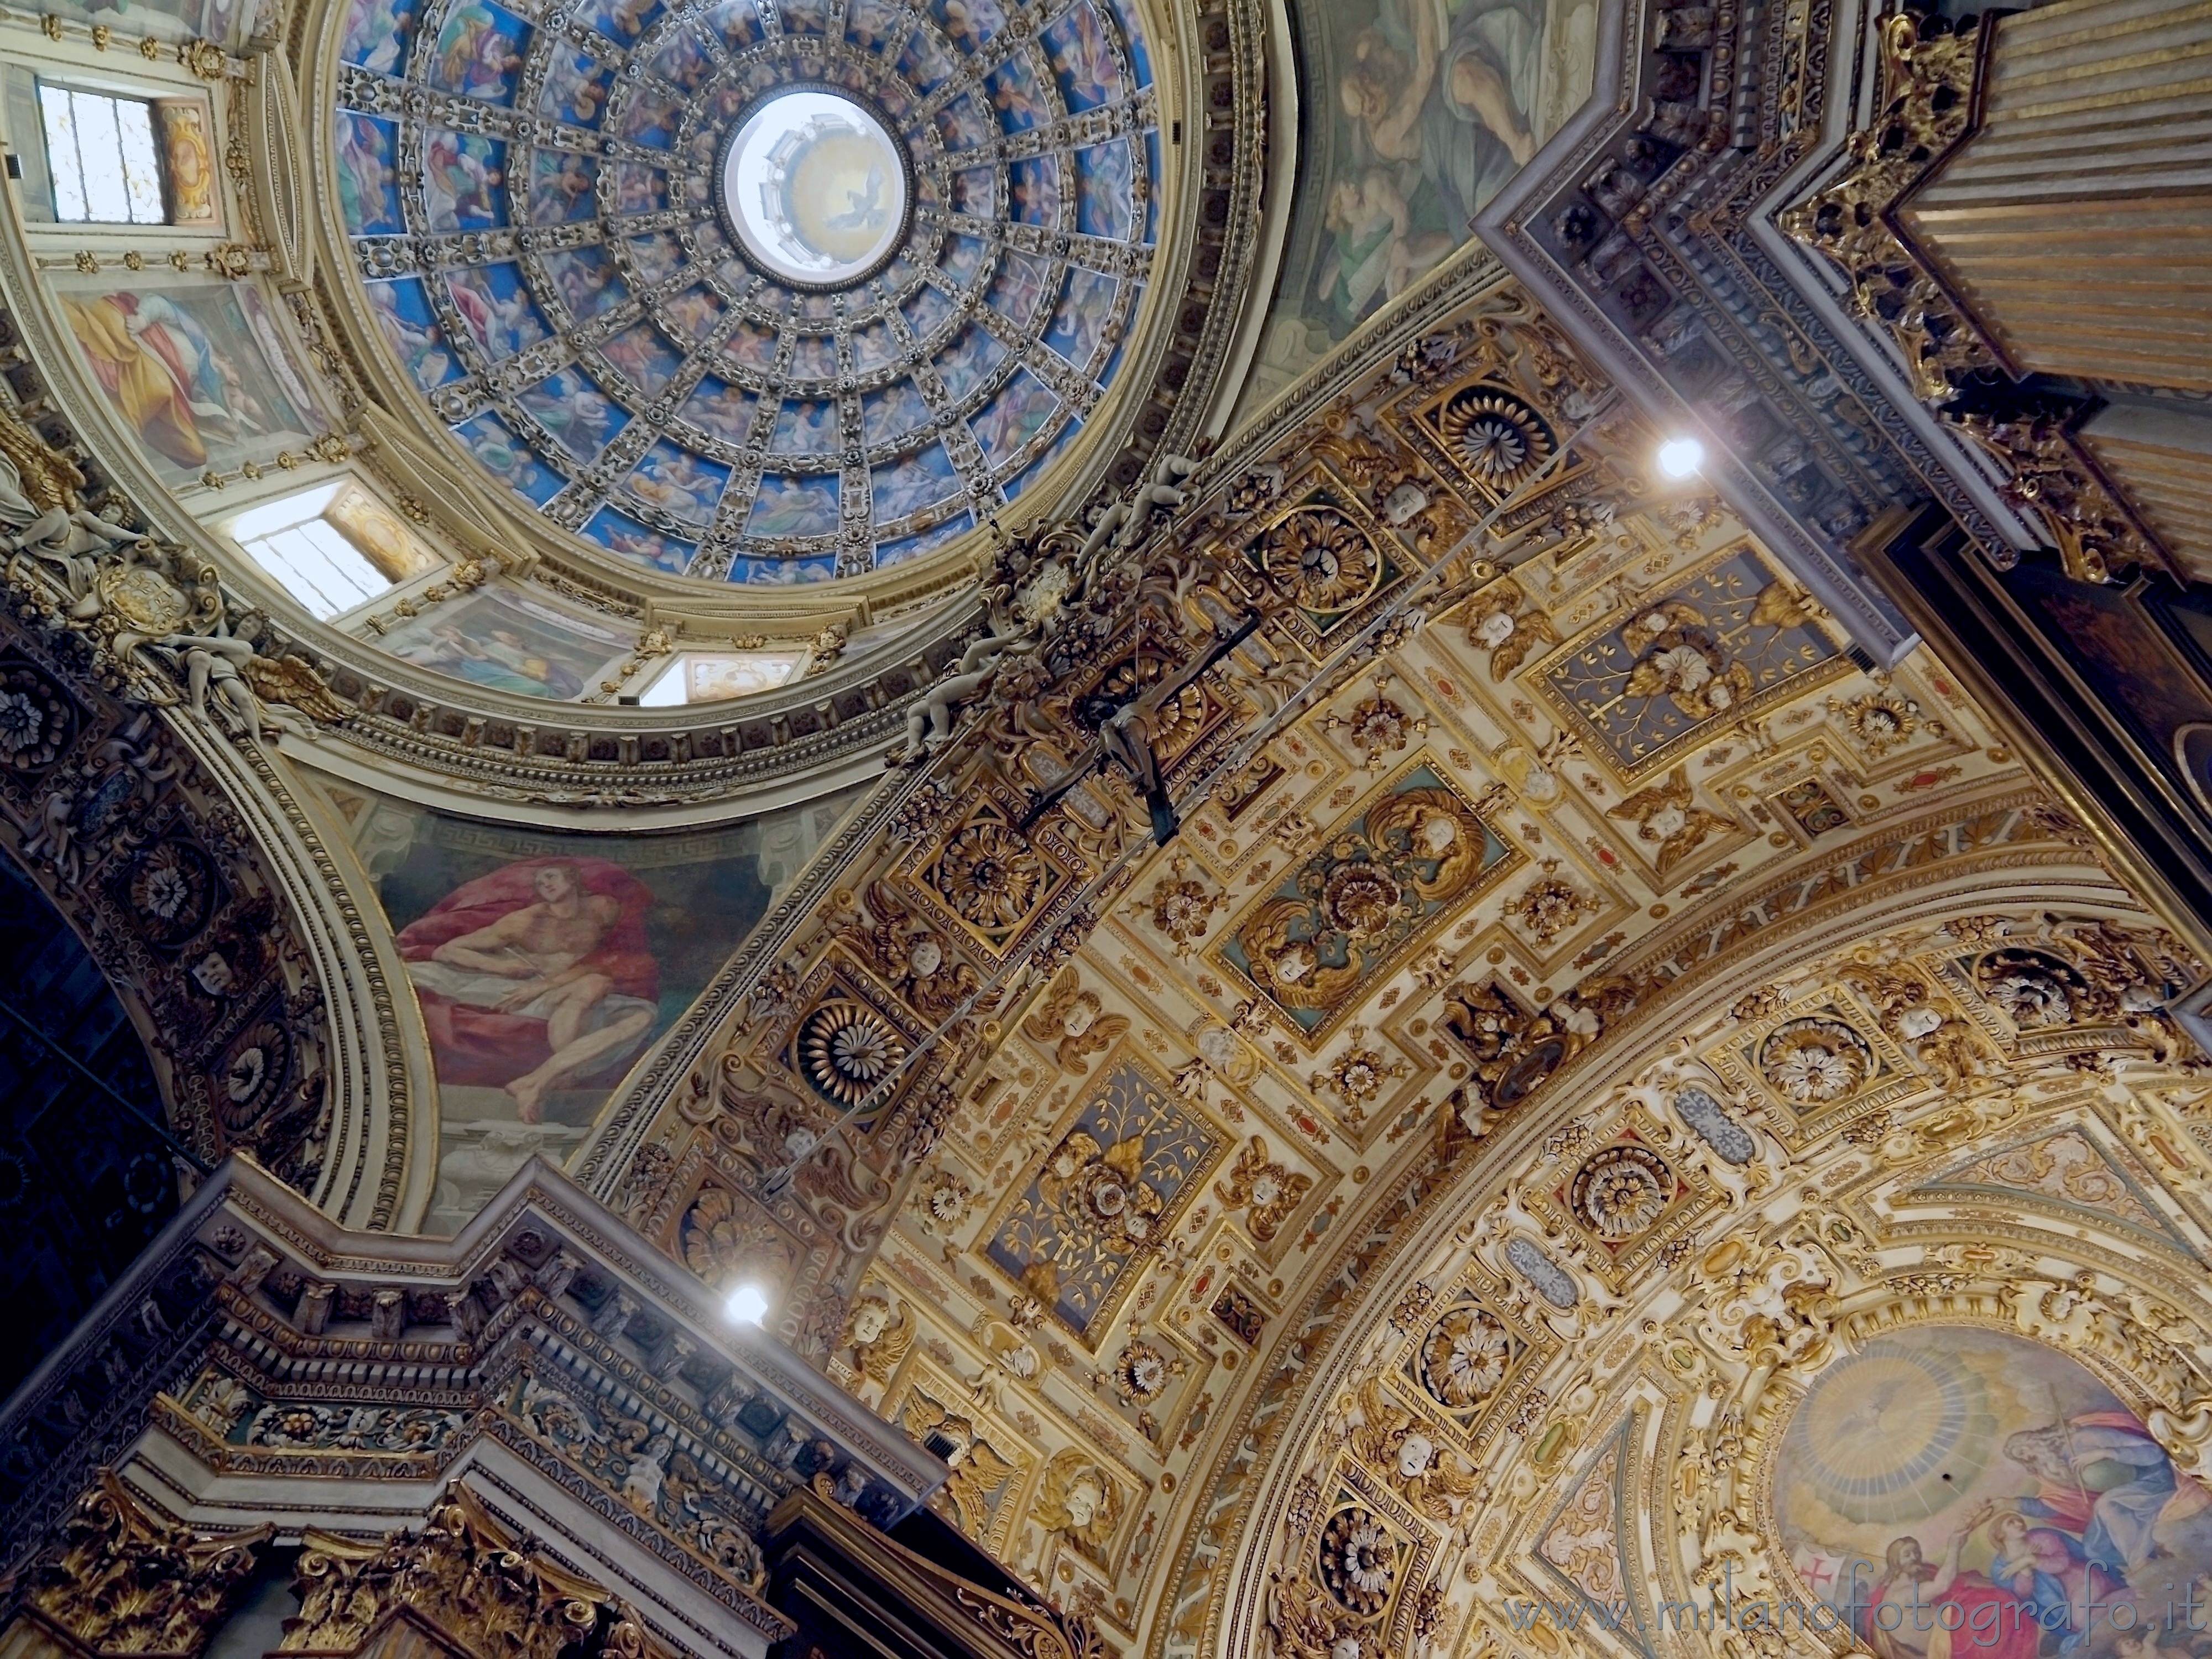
{"x": 990, "y": 875}
{"x": 1665, "y": 813}
{"x": 1070, "y": 1024}
{"x": 2036, "y": 991}
{"x": 1358, "y": 1076}
{"x": 1879, "y": 721}
{"x": 1503, "y": 622}
{"x": 1322, "y": 559}
{"x": 721, "y": 1241}
{"x": 1464, "y": 1357}
{"x": 1358, "y": 1561}
{"x": 1497, "y": 436}
{"x": 1141, "y": 1375}
{"x": 920, "y": 814}
{"x": 1814, "y": 1061}
{"x": 36, "y": 721}
{"x": 1182, "y": 910}
{"x": 1361, "y": 899}
{"x": 847, "y": 1050}
{"x": 1377, "y": 727}
{"x": 941, "y": 1200}
{"x": 171, "y": 890}
{"x": 1548, "y": 910}
{"x": 1621, "y": 1192}
{"x": 1678, "y": 656}
{"x": 253, "y": 1075}
{"x": 1270, "y": 1191}
{"x": 1099, "y": 1187}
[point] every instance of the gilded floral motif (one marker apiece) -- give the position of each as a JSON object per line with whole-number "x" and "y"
{"x": 1352, "y": 911}
{"x": 1725, "y": 644}
{"x": 848, "y": 1051}
{"x": 1464, "y": 1357}
{"x": 1814, "y": 1061}
{"x": 1496, "y": 436}
{"x": 1323, "y": 559}
{"x": 1358, "y": 1559}
{"x": 1183, "y": 909}
{"x": 1103, "y": 1197}
{"x": 1621, "y": 1192}
{"x": 2036, "y": 990}
{"x": 991, "y": 875}
{"x": 37, "y": 720}
{"x": 1548, "y": 910}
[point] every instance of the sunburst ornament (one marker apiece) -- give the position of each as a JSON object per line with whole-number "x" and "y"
{"x": 1497, "y": 436}
{"x": 847, "y": 1050}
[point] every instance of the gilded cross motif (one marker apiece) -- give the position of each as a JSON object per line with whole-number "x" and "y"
{"x": 1726, "y": 645}
{"x": 1401, "y": 866}
{"x": 1105, "y": 1195}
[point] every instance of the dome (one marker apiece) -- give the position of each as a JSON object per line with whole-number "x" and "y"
{"x": 766, "y": 294}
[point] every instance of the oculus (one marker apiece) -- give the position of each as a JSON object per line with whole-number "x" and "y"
{"x": 815, "y": 188}
{"x": 755, "y": 292}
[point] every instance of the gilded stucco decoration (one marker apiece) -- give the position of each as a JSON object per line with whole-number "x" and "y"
{"x": 1388, "y": 876}
{"x": 123, "y": 1578}
{"x": 1172, "y": 1207}
{"x": 1930, "y": 69}
{"x": 1104, "y": 1196}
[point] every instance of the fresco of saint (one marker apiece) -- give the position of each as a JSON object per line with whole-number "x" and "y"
{"x": 536, "y": 976}
{"x": 1968, "y": 1494}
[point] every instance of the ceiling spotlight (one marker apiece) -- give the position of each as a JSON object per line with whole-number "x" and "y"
{"x": 1680, "y": 458}
{"x": 747, "y": 1304}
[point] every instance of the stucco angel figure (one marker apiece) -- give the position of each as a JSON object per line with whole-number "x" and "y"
{"x": 1071, "y": 1022}
{"x": 878, "y": 1334}
{"x": 929, "y": 718}
{"x": 44, "y": 512}
{"x": 1435, "y": 828}
{"x": 1292, "y": 971}
{"x": 1388, "y": 1438}
{"x": 1078, "y": 1502}
{"x": 979, "y": 1473}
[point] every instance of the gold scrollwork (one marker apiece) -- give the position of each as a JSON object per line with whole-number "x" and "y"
{"x": 123, "y": 1579}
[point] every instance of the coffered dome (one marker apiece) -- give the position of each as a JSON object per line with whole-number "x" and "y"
{"x": 755, "y": 292}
